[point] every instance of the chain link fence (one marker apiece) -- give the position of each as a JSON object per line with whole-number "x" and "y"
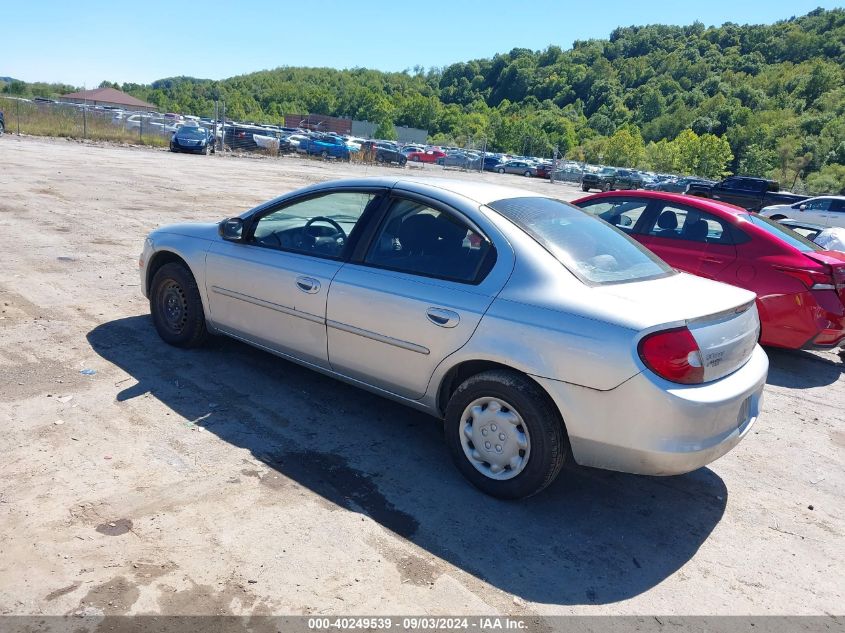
{"x": 83, "y": 121}
{"x": 44, "y": 117}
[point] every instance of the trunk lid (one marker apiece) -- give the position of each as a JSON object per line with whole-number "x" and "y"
{"x": 723, "y": 319}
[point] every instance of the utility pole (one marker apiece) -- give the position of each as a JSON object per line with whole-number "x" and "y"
{"x": 223, "y": 136}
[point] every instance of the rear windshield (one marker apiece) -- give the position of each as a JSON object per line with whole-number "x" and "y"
{"x": 780, "y": 231}
{"x": 192, "y": 132}
{"x": 593, "y": 250}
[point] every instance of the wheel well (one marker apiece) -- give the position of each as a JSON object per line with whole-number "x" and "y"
{"x": 461, "y": 372}
{"x": 160, "y": 259}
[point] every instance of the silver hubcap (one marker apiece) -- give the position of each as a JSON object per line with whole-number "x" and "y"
{"x": 495, "y": 438}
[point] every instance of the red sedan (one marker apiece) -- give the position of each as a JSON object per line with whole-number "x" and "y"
{"x": 800, "y": 287}
{"x": 428, "y": 156}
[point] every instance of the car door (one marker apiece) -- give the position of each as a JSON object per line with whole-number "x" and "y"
{"x": 817, "y": 210}
{"x": 836, "y": 213}
{"x": 414, "y": 297}
{"x": 689, "y": 239}
{"x": 271, "y": 288}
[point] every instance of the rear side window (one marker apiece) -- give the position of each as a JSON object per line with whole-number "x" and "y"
{"x": 780, "y": 231}
{"x": 591, "y": 249}
{"x": 421, "y": 240}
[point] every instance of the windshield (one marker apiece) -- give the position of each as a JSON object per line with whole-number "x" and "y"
{"x": 191, "y": 132}
{"x": 607, "y": 171}
{"x": 591, "y": 249}
{"x": 780, "y": 231}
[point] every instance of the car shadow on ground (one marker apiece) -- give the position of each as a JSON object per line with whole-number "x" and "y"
{"x": 799, "y": 369}
{"x": 593, "y": 537}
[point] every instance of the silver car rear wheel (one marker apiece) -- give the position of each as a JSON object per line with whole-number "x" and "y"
{"x": 494, "y": 438}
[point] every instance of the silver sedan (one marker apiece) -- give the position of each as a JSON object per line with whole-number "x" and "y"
{"x": 537, "y": 332}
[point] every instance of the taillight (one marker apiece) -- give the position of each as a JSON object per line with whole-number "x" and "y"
{"x": 812, "y": 279}
{"x": 674, "y": 355}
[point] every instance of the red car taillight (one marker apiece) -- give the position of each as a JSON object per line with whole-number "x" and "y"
{"x": 812, "y": 279}
{"x": 673, "y": 355}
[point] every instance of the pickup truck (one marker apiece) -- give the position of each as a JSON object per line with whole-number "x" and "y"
{"x": 749, "y": 193}
{"x": 610, "y": 179}
{"x": 325, "y": 146}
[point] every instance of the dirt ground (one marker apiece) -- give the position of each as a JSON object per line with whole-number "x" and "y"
{"x": 225, "y": 480}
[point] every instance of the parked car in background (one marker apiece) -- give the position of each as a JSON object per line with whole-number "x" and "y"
{"x": 622, "y": 362}
{"x": 383, "y": 153}
{"x": 824, "y": 210}
{"x": 326, "y": 146}
{"x": 491, "y": 163}
{"x": 427, "y": 156}
{"x": 464, "y": 160}
{"x": 192, "y": 139}
{"x": 746, "y": 192}
{"x": 601, "y": 180}
{"x": 610, "y": 178}
{"x": 544, "y": 170}
{"x": 521, "y": 167}
{"x": 800, "y": 287}
{"x": 407, "y": 149}
{"x": 676, "y": 185}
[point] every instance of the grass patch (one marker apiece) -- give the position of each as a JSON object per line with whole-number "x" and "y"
{"x": 67, "y": 121}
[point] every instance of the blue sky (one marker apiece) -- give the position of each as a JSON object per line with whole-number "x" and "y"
{"x": 83, "y": 43}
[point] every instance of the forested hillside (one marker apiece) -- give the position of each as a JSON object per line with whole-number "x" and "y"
{"x": 759, "y": 99}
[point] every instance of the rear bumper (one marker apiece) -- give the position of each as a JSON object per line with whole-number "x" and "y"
{"x": 650, "y": 426}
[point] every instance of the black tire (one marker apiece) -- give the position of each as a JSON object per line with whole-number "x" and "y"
{"x": 584, "y": 188}
{"x": 324, "y": 154}
{"x": 549, "y": 443}
{"x": 176, "y": 307}
{"x": 527, "y": 174}
{"x": 380, "y": 158}
{"x": 402, "y": 161}
{"x": 500, "y": 170}
{"x": 605, "y": 186}
{"x": 173, "y": 149}
{"x": 206, "y": 150}
{"x": 2, "y": 128}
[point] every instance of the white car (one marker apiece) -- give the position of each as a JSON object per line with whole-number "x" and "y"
{"x": 825, "y": 210}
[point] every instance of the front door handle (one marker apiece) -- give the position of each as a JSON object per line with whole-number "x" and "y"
{"x": 308, "y": 284}
{"x": 443, "y": 318}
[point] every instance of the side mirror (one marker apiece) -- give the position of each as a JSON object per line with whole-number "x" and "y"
{"x": 231, "y": 230}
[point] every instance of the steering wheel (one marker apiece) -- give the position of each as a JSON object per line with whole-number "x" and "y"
{"x": 339, "y": 237}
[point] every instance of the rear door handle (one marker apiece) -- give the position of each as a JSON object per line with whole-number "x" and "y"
{"x": 308, "y": 284}
{"x": 443, "y": 318}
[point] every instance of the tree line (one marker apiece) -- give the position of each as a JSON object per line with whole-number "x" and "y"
{"x": 765, "y": 100}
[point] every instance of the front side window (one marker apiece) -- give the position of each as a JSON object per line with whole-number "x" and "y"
{"x": 318, "y": 226}
{"x": 822, "y": 204}
{"x": 418, "y": 239}
{"x": 591, "y": 249}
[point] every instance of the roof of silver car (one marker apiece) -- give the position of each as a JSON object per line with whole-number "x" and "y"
{"x": 481, "y": 192}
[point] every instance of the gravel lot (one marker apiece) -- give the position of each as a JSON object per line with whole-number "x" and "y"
{"x": 225, "y": 480}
